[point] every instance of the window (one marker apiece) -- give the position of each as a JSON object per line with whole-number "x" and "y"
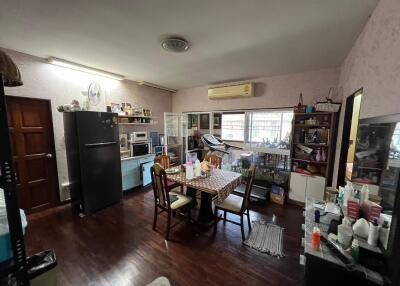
{"x": 271, "y": 127}
{"x": 233, "y": 126}
{"x": 268, "y": 128}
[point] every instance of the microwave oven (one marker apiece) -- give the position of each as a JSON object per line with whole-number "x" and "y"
{"x": 140, "y": 136}
{"x": 139, "y": 149}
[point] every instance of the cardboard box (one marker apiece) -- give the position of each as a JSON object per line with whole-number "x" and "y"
{"x": 371, "y": 210}
{"x": 353, "y": 208}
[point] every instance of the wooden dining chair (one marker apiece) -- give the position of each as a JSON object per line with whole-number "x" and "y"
{"x": 165, "y": 162}
{"x": 237, "y": 205}
{"x": 213, "y": 160}
{"x": 166, "y": 200}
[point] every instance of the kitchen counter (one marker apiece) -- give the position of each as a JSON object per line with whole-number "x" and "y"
{"x": 137, "y": 157}
{"x": 136, "y": 171}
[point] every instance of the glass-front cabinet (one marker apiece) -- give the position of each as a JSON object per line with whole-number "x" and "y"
{"x": 371, "y": 152}
{"x": 175, "y": 134}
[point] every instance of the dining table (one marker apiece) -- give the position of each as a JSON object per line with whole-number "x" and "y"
{"x": 215, "y": 187}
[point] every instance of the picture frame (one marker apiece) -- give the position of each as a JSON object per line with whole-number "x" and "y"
{"x": 205, "y": 121}
{"x": 217, "y": 117}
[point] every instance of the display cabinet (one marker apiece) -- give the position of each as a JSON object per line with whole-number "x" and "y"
{"x": 370, "y": 153}
{"x": 175, "y": 137}
{"x": 313, "y": 144}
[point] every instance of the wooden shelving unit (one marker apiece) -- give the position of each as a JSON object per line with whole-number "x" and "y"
{"x": 135, "y": 120}
{"x": 135, "y": 124}
{"x": 318, "y": 135}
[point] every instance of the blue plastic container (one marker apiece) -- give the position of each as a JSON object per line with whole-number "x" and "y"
{"x": 5, "y": 241}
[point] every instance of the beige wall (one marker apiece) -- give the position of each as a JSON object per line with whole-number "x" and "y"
{"x": 374, "y": 65}
{"x": 271, "y": 92}
{"x": 61, "y": 85}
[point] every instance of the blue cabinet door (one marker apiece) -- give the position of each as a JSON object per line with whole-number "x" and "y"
{"x": 146, "y": 172}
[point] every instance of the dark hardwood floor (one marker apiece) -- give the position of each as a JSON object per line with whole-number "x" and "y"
{"x": 117, "y": 246}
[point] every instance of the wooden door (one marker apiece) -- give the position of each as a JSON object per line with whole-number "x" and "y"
{"x": 32, "y": 140}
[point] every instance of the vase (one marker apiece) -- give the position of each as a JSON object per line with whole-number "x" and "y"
{"x": 323, "y": 155}
{"x": 318, "y": 158}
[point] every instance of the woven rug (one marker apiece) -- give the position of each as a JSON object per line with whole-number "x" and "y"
{"x": 267, "y": 238}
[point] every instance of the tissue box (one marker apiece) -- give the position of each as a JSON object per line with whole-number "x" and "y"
{"x": 353, "y": 208}
{"x": 371, "y": 210}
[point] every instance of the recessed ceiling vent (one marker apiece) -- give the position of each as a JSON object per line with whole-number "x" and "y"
{"x": 175, "y": 44}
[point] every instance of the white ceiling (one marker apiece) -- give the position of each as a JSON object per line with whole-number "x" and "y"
{"x": 231, "y": 39}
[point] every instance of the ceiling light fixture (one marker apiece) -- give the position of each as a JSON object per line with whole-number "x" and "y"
{"x": 82, "y": 68}
{"x": 175, "y": 44}
{"x": 145, "y": 83}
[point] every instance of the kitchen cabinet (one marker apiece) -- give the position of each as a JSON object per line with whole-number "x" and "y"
{"x": 136, "y": 171}
{"x": 302, "y": 186}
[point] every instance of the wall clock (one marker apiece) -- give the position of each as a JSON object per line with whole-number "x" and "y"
{"x": 94, "y": 93}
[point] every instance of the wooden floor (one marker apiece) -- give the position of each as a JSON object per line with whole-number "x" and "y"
{"x": 118, "y": 247}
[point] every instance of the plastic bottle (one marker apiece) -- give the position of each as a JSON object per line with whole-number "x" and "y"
{"x": 197, "y": 168}
{"x": 373, "y": 234}
{"x": 355, "y": 250}
{"x": 364, "y": 194}
{"x": 384, "y": 234}
{"x": 189, "y": 170}
{"x": 348, "y": 192}
{"x": 315, "y": 238}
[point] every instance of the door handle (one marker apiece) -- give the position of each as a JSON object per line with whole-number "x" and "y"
{"x": 49, "y": 156}
{"x": 100, "y": 144}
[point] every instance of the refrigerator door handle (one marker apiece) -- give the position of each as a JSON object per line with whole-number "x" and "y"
{"x": 100, "y": 144}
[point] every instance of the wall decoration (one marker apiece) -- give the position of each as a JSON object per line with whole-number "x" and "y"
{"x": 205, "y": 121}
{"x": 94, "y": 93}
{"x": 217, "y": 120}
{"x": 116, "y": 108}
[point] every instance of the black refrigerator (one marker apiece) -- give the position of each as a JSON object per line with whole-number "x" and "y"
{"x": 93, "y": 156}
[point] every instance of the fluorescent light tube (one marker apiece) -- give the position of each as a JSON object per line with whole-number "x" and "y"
{"x": 145, "y": 83}
{"x": 82, "y": 68}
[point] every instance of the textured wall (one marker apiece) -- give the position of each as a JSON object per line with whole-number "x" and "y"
{"x": 374, "y": 65}
{"x": 61, "y": 85}
{"x": 271, "y": 92}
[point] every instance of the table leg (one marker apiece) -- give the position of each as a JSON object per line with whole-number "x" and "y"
{"x": 206, "y": 215}
{"x": 192, "y": 193}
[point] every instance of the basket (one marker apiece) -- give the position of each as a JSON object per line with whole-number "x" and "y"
{"x": 327, "y": 106}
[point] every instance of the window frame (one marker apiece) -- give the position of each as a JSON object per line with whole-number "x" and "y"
{"x": 248, "y": 122}
{"x": 244, "y": 126}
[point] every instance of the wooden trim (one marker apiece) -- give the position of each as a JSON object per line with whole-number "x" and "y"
{"x": 344, "y": 146}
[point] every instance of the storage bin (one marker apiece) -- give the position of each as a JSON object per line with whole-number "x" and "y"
{"x": 278, "y": 199}
{"x": 42, "y": 268}
{"x": 5, "y": 241}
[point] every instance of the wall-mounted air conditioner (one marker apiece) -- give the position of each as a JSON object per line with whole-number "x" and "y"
{"x": 231, "y": 91}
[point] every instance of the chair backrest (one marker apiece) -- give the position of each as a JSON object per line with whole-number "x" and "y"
{"x": 214, "y": 160}
{"x": 249, "y": 185}
{"x": 160, "y": 186}
{"x": 163, "y": 160}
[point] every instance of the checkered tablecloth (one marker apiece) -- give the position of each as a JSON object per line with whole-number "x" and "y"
{"x": 220, "y": 184}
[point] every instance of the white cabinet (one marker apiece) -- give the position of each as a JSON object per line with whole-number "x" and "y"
{"x": 302, "y": 186}
{"x": 132, "y": 171}
{"x": 298, "y": 184}
{"x": 315, "y": 187}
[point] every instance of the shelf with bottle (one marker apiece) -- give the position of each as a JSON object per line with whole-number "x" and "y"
{"x": 135, "y": 120}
